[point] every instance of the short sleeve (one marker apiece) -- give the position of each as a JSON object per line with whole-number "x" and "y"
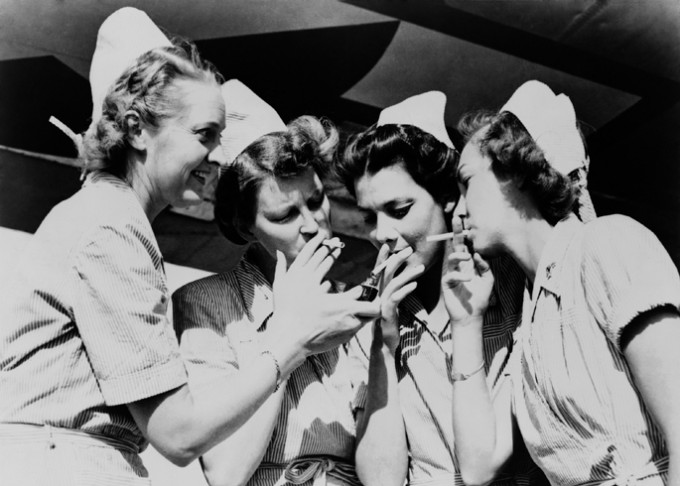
{"x": 120, "y": 307}
{"x": 625, "y": 272}
{"x": 202, "y": 310}
{"x": 358, "y": 352}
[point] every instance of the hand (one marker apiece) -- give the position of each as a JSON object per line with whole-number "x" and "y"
{"x": 467, "y": 283}
{"x": 393, "y": 290}
{"x": 305, "y": 313}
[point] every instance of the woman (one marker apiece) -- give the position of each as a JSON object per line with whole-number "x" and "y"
{"x": 272, "y": 195}
{"x": 595, "y": 381}
{"x": 91, "y": 370}
{"x": 402, "y": 174}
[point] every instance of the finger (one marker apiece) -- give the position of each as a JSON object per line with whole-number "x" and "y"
{"x": 400, "y": 294}
{"x": 365, "y": 309}
{"x": 327, "y": 263}
{"x": 308, "y": 250}
{"x": 404, "y": 278}
{"x": 353, "y": 293}
{"x": 326, "y": 286}
{"x": 395, "y": 261}
{"x": 455, "y": 277}
{"x": 322, "y": 251}
{"x": 280, "y": 269}
{"x": 383, "y": 254}
{"x": 481, "y": 265}
{"x": 459, "y": 256}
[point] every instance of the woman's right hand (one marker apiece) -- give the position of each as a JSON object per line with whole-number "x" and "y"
{"x": 467, "y": 282}
{"x": 394, "y": 290}
{"x": 305, "y": 312}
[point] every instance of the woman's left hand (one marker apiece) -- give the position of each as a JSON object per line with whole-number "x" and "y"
{"x": 467, "y": 283}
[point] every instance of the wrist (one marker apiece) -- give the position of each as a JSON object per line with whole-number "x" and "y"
{"x": 457, "y": 376}
{"x": 289, "y": 352}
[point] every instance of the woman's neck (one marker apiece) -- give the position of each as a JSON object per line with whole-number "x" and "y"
{"x": 429, "y": 287}
{"x": 143, "y": 189}
{"x": 526, "y": 245}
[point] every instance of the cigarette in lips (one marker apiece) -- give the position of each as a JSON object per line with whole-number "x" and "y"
{"x": 440, "y": 237}
{"x": 333, "y": 243}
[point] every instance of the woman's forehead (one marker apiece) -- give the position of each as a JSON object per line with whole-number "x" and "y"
{"x": 285, "y": 188}
{"x": 385, "y": 185}
{"x": 201, "y": 102}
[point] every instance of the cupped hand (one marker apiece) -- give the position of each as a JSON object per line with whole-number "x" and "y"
{"x": 394, "y": 288}
{"x": 306, "y": 314}
{"x": 467, "y": 283}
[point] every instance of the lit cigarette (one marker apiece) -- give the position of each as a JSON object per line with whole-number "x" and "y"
{"x": 440, "y": 237}
{"x": 333, "y": 243}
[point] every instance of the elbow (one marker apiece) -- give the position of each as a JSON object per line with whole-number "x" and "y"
{"x": 179, "y": 456}
{"x": 181, "y": 449}
{"x": 477, "y": 477}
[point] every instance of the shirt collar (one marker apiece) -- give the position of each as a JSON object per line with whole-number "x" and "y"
{"x": 254, "y": 287}
{"x": 550, "y": 264}
{"x": 411, "y": 310}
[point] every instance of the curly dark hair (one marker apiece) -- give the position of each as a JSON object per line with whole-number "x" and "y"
{"x": 515, "y": 156}
{"x": 308, "y": 142}
{"x": 429, "y": 162}
{"x": 148, "y": 88}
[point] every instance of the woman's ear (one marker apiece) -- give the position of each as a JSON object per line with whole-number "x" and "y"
{"x": 134, "y": 132}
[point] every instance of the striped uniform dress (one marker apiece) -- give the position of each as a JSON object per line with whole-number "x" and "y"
{"x": 425, "y": 390}
{"x": 581, "y": 416}
{"x": 218, "y": 320}
{"x": 84, "y": 331}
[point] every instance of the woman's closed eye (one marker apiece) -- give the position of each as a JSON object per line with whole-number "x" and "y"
{"x": 283, "y": 216}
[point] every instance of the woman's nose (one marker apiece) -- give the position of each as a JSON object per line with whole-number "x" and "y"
{"x": 384, "y": 232}
{"x": 310, "y": 225}
{"x": 217, "y": 156}
{"x": 461, "y": 208}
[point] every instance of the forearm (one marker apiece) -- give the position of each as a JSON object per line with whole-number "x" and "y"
{"x": 382, "y": 453}
{"x": 185, "y": 423}
{"x": 476, "y": 426}
{"x": 234, "y": 460}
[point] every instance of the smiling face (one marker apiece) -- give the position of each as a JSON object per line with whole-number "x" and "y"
{"x": 290, "y": 212}
{"x": 401, "y": 213}
{"x": 184, "y": 152}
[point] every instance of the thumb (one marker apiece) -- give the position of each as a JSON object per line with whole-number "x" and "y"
{"x": 480, "y": 264}
{"x": 280, "y": 269}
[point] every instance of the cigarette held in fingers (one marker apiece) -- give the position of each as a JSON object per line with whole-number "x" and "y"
{"x": 333, "y": 243}
{"x": 440, "y": 237}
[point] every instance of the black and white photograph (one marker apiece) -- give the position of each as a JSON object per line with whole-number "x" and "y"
{"x": 339, "y": 243}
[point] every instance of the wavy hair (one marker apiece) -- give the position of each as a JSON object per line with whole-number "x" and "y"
{"x": 515, "y": 156}
{"x": 429, "y": 162}
{"x": 308, "y": 142}
{"x": 147, "y": 92}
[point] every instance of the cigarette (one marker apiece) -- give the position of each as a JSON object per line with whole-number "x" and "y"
{"x": 333, "y": 243}
{"x": 379, "y": 268}
{"x": 440, "y": 237}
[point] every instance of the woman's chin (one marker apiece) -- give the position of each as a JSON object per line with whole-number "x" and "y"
{"x": 189, "y": 198}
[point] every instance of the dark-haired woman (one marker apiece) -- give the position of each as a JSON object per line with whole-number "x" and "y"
{"x": 596, "y": 376}
{"x": 402, "y": 171}
{"x": 272, "y": 195}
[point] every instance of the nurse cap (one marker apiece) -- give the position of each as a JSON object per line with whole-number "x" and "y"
{"x": 248, "y": 117}
{"x": 551, "y": 121}
{"x": 425, "y": 111}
